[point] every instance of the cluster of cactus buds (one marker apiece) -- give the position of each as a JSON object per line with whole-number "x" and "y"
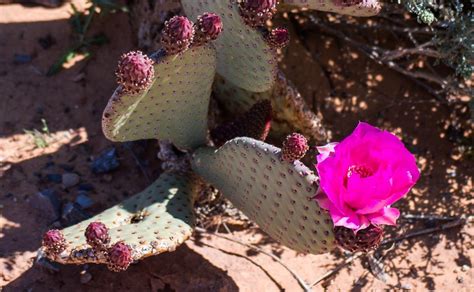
{"x": 294, "y": 147}
{"x": 177, "y": 35}
{"x": 97, "y": 236}
{"x": 207, "y": 28}
{"x": 119, "y": 257}
{"x": 54, "y": 242}
{"x": 135, "y": 72}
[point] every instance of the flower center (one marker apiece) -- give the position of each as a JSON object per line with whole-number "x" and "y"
{"x": 361, "y": 170}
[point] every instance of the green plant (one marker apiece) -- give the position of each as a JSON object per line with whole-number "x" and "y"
{"x": 80, "y": 22}
{"x": 40, "y": 137}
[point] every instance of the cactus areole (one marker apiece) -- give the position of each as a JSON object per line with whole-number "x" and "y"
{"x": 177, "y": 35}
{"x": 135, "y": 72}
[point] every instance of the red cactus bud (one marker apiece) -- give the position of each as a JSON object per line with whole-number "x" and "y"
{"x": 177, "y": 35}
{"x": 257, "y": 12}
{"x": 208, "y": 28}
{"x": 97, "y": 235}
{"x": 255, "y": 123}
{"x": 54, "y": 242}
{"x": 294, "y": 147}
{"x": 278, "y": 38}
{"x": 135, "y": 72}
{"x": 119, "y": 257}
{"x": 362, "y": 240}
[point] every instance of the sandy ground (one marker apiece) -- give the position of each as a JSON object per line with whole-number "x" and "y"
{"x": 339, "y": 82}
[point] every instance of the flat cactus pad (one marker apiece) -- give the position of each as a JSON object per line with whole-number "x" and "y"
{"x": 152, "y": 222}
{"x": 276, "y": 194}
{"x": 243, "y": 56}
{"x": 173, "y": 108}
{"x": 348, "y": 7}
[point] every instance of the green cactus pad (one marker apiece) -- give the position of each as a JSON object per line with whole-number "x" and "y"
{"x": 276, "y": 194}
{"x": 167, "y": 220}
{"x": 243, "y": 56}
{"x": 290, "y": 111}
{"x": 364, "y": 8}
{"x": 173, "y": 108}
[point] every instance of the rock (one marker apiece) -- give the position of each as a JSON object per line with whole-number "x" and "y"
{"x": 70, "y": 179}
{"x": 406, "y": 286}
{"x": 105, "y": 162}
{"x": 465, "y": 268}
{"x": 86, "y": 277}
{"x": 47, "y": 202}
{"x": 84, "y": 200}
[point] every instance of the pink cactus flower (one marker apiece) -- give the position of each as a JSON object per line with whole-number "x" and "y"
{"x": 363, "y": 175}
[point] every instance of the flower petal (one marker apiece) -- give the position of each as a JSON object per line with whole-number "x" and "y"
{"x": 325, "y": 151}
{"x": 387, "y": 216}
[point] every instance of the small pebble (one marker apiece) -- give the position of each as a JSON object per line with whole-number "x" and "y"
{"x": 86, "y": 277}
{"x": 465, "y": 268}
{"x": 105, "y": 162}
{"x": 84, "y": 200}
{"x": 406, "y": 286}
{"x": 460, "y": 279}
{"x": 70, "y": 179}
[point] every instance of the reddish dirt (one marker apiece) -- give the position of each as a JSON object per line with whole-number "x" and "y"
{"x": 341, "y": 83}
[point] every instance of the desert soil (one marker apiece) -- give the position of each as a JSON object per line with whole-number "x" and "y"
{"x": 338, "y": 81}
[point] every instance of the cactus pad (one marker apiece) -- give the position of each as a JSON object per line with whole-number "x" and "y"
{"x": 244, "y": 57}
{"x": 173, "y": 108}
{"x": 290, "y": 111}
{"x": 276, "y": 194}
{"x": 348, "y": 7}
{"x": 154, "y": 221}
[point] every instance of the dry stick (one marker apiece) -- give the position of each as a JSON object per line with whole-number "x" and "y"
{"x": 350, "y": 259}
{"x": 275, "y": 258}
{"x": 374, "y": 53}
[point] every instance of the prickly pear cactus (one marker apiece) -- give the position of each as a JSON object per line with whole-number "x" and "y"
{"x": 174, "y": 107}
{"x": 154, "y": 221}
{"x": 349, "y": 7}
{"x": 274, "y": 193}
{"x": 290, "y": 111}
{"x": 244, "y": 56}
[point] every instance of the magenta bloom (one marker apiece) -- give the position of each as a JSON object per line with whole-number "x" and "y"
{"x": 363, "y": 175}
